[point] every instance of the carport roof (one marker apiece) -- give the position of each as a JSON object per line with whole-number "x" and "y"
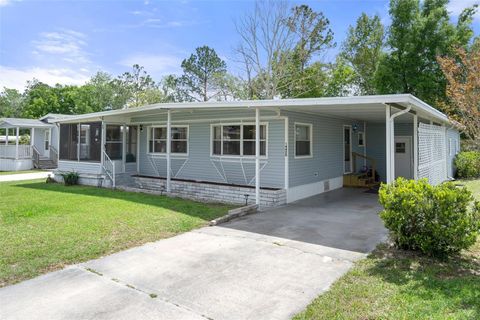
{"x": 366, "y": 108}
{"x": 23, "y": 123}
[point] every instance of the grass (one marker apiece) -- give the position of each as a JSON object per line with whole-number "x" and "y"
{"x": 395, "y": 284}
{"x": 44, "y": 227}
{"x": 4, "y": 173}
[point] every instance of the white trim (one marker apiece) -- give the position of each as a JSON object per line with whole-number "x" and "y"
{"x": 241, "y": 156}
{"x": 388, "y": 143}
{"x": 415, "y": 147}
{"x": 286, "y": 155}
{"x": 310, "y": 125}
{"x": 312, "y": 189}
{"x": 257, "y": 152}
{"x": 343, "y": 147}
{"x": 138, "y": 148}
{"x": 149, "y": 133}
{"x": 281, "y": 103}
{"x": 450, "y": 147}
{"x": 365, "y": 143}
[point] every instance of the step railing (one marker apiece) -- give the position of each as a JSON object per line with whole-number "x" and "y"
{"x": 54, "y": 155}
{"x": 109, "y": 168}
{"x": 35, "y": 157}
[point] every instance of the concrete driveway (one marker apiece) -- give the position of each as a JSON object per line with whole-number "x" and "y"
{"x": 264, "y": 266}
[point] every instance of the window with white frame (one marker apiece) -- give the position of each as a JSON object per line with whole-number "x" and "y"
{"x": 237, "y": 140}
{"x": 303, "y": 140}
{"x": 158, "y": 140}
{"x": 361, "y": 139}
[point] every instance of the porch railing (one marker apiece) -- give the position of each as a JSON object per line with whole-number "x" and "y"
{"x": 109, "y": 168}
{"x": 10, "y": 151}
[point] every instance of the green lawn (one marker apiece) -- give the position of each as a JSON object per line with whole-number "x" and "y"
{"x": 2, "y": 173}
{"x": 44, "y": 227}
{"x": 394, "y": 284}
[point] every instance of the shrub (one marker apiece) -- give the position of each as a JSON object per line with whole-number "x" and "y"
{"x": 70, "y": 178}
{"x": 436, "y": 220}
{"x": 468, "y": 164}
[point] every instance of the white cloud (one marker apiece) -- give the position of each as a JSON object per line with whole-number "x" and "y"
{"x": 155, "y": 64}
{"x": 7, "y": 2}
{"x": 67, "y": 45}
{"x": 17, "y": 78}
{"x": 456, "y": 7}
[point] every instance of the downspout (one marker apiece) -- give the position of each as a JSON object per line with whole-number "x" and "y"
{"x": 392, "y": 140}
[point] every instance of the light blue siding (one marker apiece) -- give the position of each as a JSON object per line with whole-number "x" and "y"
{"x": 327, "y": 160}
{"x": 199, "y": 165}
{"x": 376, "y": 143}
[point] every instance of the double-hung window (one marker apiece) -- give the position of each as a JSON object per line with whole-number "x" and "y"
{"x": 303, "y": 140}
{"x": 237, "y": 140}
{"x": 158, "y": 140}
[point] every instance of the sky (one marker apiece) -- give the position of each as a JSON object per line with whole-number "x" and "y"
{"x": 68, "y": 41}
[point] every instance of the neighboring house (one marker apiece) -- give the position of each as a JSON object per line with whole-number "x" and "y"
{"x": 274, "y": 151}
{"x": 40, "y": 152}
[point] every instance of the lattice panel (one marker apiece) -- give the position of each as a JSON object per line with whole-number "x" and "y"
{"x": 432, "y": 153}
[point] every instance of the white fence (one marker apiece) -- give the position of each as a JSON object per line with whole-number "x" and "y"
{"x": 10, "y": 151}
{"x": 432, "y": 153}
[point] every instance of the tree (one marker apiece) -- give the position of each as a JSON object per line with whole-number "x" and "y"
{"x": 311, "y": 36}
{"x": 463, "y": 77}
{"x": 277, "y": 46}
{"x": 264, "y": 36}
{"x": 203, "y": 73}
{"x": 11, "y": 103}
{"x": 311, "y": 33}
{"x": 135, "y": 86}
{"x": 362, "y": 50}
{"x": 418, "y": 33}
{"x": 41, "y": 99}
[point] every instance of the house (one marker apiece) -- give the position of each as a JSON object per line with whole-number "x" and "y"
{"x": 270, "y": 152}
{"x": 39, "y": 150}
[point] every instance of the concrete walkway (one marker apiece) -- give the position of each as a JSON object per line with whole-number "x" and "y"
{"x": 25, "y": 176}
{"x": 265, "y": 266}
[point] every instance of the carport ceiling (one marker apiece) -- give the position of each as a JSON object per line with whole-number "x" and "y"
{"x": 360, "y": 112}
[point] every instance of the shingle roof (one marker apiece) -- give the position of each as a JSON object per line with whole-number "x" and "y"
{"x": 23, "y": 123}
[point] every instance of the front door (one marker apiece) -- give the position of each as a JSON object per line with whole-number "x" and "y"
{"x": 403, "y": 157}
{"x": 347, "y": 149}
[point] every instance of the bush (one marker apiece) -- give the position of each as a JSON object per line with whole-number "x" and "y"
{"x": 468, "y": 164}
{"x": 70, "y": 178}
{"x": 436, "y": 220}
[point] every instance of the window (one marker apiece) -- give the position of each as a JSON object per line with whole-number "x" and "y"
{"x": 361, "y": 139}
{"x": 158, "y": 140}
{"x": 400, "y": 147}
{"x": 69, "y": 142}
{"x": 47, "y": 139}
{"x": 237, "y": 140}
{"x": 113, "y": 141}
{"x": 303, "y": 140}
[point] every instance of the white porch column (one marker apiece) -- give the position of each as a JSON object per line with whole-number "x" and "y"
{"x": 32, "y": 137}
{"x": 6, "y": 136}
{"x": 415, "y": 147}
{"x": 169, "y": 147}
{"x": 388, "y": 141}
{"x": 16, "y": 143}
{"x": 257, "y": 156}
{"x": 103, "y": 142}
{"x": 124, "y": 146}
